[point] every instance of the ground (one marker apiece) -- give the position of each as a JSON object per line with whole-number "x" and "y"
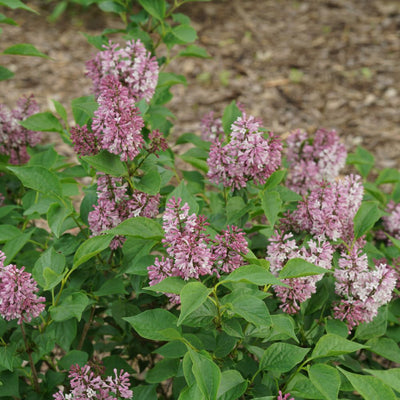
{"x": 296, "y": 64}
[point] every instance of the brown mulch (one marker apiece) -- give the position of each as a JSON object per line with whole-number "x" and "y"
{"x": 297, "y": 64}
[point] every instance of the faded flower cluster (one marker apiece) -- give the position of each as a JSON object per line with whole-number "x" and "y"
{"x": 115, "y": 204}
{"x": 248, "y": 154}
{"x": 18, "y": 299}
{"x": 313, "y": 160}
{"x": 281, "y": 249}
{"x": 191, "y": 253}
{"x": 87, "y": 384}
{"x": 362, "y": 290}
{"x": 14, "y": 138}
{"x": 131, "y": 65}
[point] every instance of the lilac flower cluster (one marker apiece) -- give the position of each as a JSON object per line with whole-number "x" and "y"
{"x": 281, "y": 249}
{"x": 84, "y": 140}
{"x": 391, "y": 222}
{"x": 86, "y": 384}
{"x": 117, "y": 123}
{"x": 132, "y": 66}
{"x": 329, "y": 209}
{"x": 14, "y": 139}
{"x": 115, "y": 205}
{"x": 18, "y": 299}
{"x": 312, "y": 161}
{"x": 211, "y": 128}
{"x": 191, "y": 253}
{"x": 361, "y": 289}
{"x": 247, "y": 155}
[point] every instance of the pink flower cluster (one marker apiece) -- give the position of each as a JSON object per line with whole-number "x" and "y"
{"x": 14, "y": 139}
{"x": 117, "y": 123}
{"x": 86, "y": 384}
{"x": 249, "y": 154}
{"x": 362, "y": 290}
{"x": 115, "y": 205}
{"x": 329, "y": 209}
{"x": 18, "y": 299}
{"x": 211, "y": 128}
{"x": 281, "y": 249}
{"x": 313, "y": 160}
{"x": 391, "y": 222}
{"x": 191, "y": 253}
{"x": 84, "y": 140}
{"x": 131, "y": 65}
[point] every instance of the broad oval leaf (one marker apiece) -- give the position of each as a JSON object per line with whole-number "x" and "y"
{"x": 106, "y": 162}
{"x": 90, "y": 248}
{"x": 326, "y": 379}
{"x": 140, "y": 227}
{"x": 24, "y": 49}
{"x": 365, "y": 218}
{"x": 255, "y": 274}
{"x": 297, "y": 267}
{"x": 334, "y": 345}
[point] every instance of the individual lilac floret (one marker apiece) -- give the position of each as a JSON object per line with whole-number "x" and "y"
{"x": 132, "y": 65}
{"x": 86, "y": 384}
{"x": 117, "y": 123}
{"x": 115, "y": 205}
{"x": 329, "y": 209}
{"x": 281, "y": 249}
{"x": 362, "y": 290}
{"x": 211, "y": 128}
{"x": 14, "y": 139}
{"x": 84, "y": 140}
{"x": 228, "y": 250}
{"x": 284, "y": 397}
{"x": 250, "y": 154}
{"x": 313, "y": 160}
{"x": 18, "y": 299}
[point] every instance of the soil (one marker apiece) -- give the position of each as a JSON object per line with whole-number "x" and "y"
{"x": 296, "y": 64}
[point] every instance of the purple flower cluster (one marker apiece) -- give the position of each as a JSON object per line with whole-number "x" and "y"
{"x": 131, "y": 65}
{"x": 18, "y": 299}
{"x": 312, "y": 161}
{"x": 86, "y": 384}
{"x": 117, "y": 123}
{"x": 329, "y": 209}
{"x": 191, "y": 253}
{"x": 391, "y": 222}
{"x": 281, "y": 249}
{"x": 14, "y": 139}
{"x": 84, "y": 140}
{"x": 115, "y": 205}
{"x": 362, "y": 290}
{"x": 211, "y": 128}
{"x": 247, "y": 155}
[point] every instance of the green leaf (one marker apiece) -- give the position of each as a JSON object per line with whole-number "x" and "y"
{"x": 252, "y": 309}
{"x": 8, "y": 357}
{"x": 388, "y": 175}
{"x": 12, "y": 247}
{"x": 282, "y": 357}
{"x": 282, "y": 324}
{"x": 255, "y": 274}
{"x": 97, "y": 41}
{"x": 334, "y": 345}
{"x": 337, "y": 327}
{"x": 366, "y": 217}
{"x": 111, "y": 286}
{"x": 207, "y": 375}
{"x": 194, "y": 51}
{"x": 235, "y": 209}
{"x": 193, "y": 295}
{"x": 182, "y": 192}
{"x": 377, "y": 327}
{"x": 5, "y": 73}
{"x": 48, "y": 269}
{"x": 192, "y": 138}
{"x": 302, "y": 387}
{"x": 156, "y": 8}
{"x": 61, "y": 111}
{"x": 71, "y": 306}
{"x": 83, "y": 109}
{"x": 56, "y": 216}
{"x": 91, "y": 247}
{"x": 111, "y": 6}
{"x": 150, "y": 182}
{"x": 326, "y": 379}
{"x": 14, "y": 4}
{"x": 163, "y": 370}
{"x": 6, "y": 20}
{"x": 24, "y": 49}
{"x": 297, "y": 267}
{"x": 169, "y": 79}
{"x": 231, "y": 114}
{"x": 9, "y": 383}
{"x": 184, "y": 33}
{"x": 232, "y": 385}
{"x": 140, "y": 227}
{"x": 150, "y": 324}
{"x": 385, "y": 347}
{"x": 171, "y": 284}
{"x": 108, "y": 163}
{"x": 38, "y": 178}
{"x": 8, "y": 232}
{"x": 42, "y": 122}
{"x": 271, "y": 203}
{"x": 391, "y": 377}
{"x": 73, "y": 357}
{"x": 363, "y": 161}
{"x": 369, "y": 387}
